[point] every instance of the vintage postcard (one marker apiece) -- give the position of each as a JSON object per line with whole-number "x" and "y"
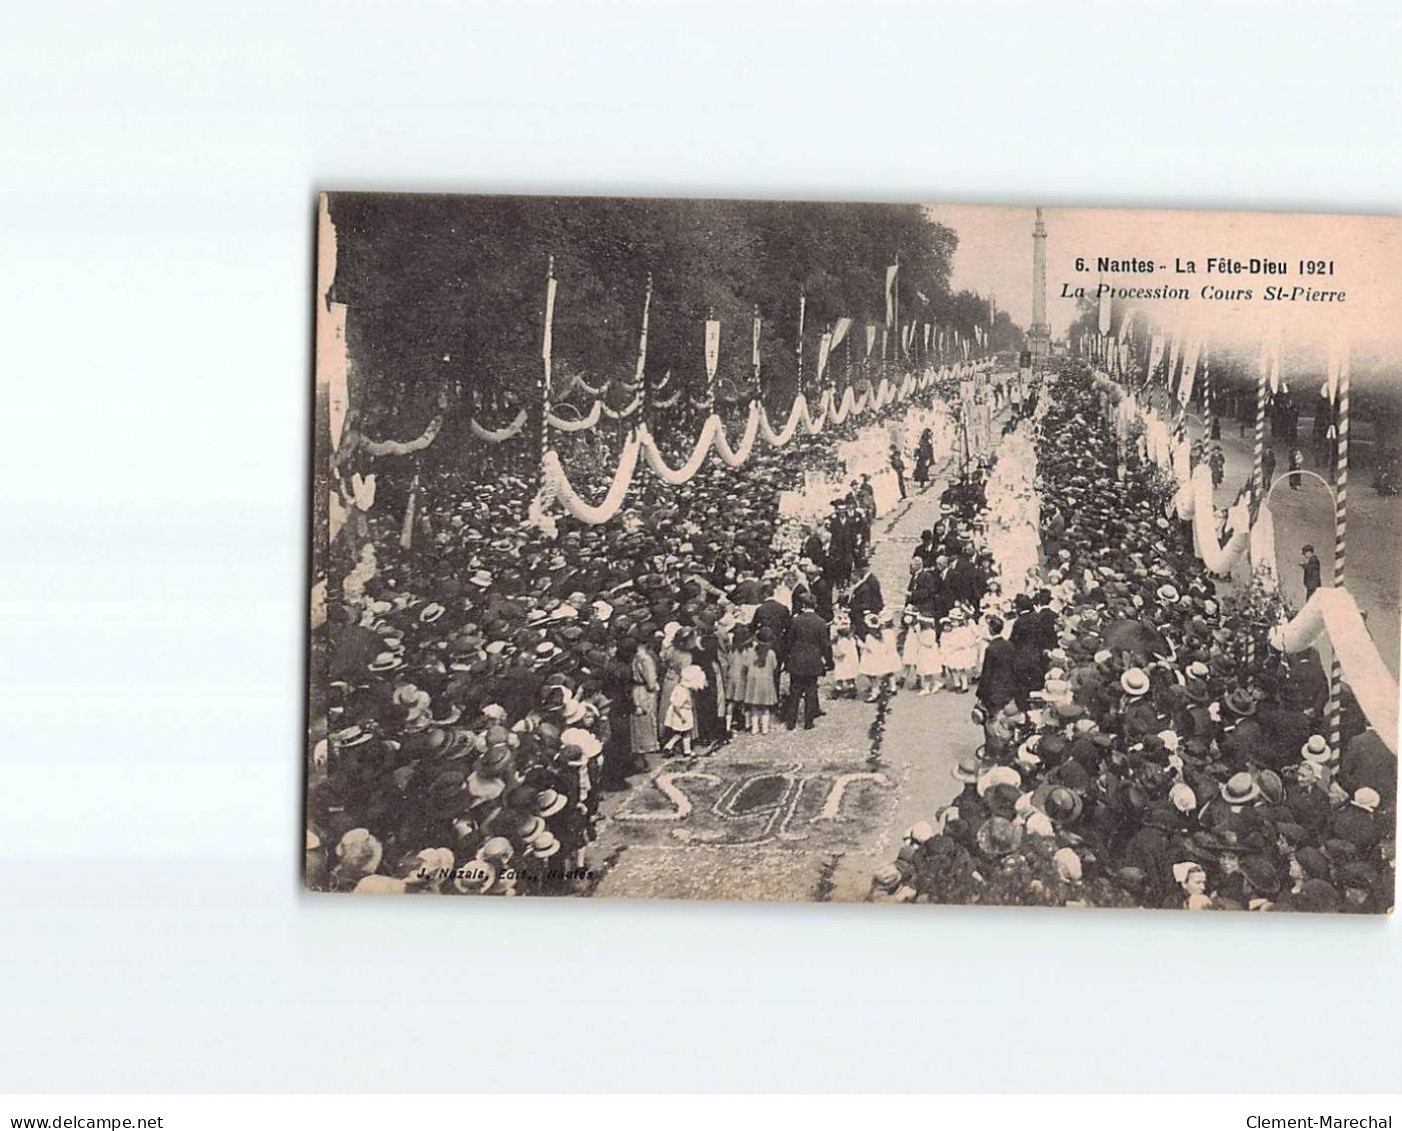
{"x": 888, "y": 553}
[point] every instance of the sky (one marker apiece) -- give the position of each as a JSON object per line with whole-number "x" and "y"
{"x": 995, "y": 256}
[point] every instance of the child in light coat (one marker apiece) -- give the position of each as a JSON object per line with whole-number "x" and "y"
{"x": 680, "y": 719}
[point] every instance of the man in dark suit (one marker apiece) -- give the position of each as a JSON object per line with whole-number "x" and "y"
{"x": 997, "y": 683}
{"x": 1309, "y": 560}
{"x": 866, "y": 598}
{"x": 809, "y": 652}
{"x": 775, "y": 616}
{"x": 842, "y": 548}
{"x": 1026, "y": 628}
{"x": 1047, "y": 636}
{"x": 926, "y": 595}
{"x": 821, "y": 588}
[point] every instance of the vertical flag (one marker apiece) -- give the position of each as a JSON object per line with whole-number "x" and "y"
{"x": 1263, "y": 368}
{"x": 802, "y": 309}
{"x": 642, "y": 338}
{"x": 871, "y": 338}
{"x": 927, "y": 337}
{"x": 547, "y": 340}
{"x": 1155, "y": 352}
{"x": 839, "y": 331}
{"x": 824, "y": 348}
{"x": 1104, "y": 319}
{"x": 712, "y": 350}
{"x": 754, "y": 344}
{"x": 1331, "y": 378}
{"x": 891, "y": 294}
{"x": 1190, "y": 364}
{"x": 333, "y": 359}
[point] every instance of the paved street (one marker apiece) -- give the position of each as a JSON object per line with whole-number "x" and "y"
{"x": 796, "y": 815}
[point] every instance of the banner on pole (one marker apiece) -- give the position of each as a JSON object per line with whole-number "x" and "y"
{"x": 642, "y": 336}
{"x": 712, "y": 347}
{"x": 1104, "y": 319}
{"x": 1155, "y": 352}
{"x": 548, "y": 339}
{"x": 839, "y": 331}
{"x": 891, "y": 294}
{"x": 824, "y": 347}
{"x": 1190, "y": 365}
{"x": 871, "y": 338}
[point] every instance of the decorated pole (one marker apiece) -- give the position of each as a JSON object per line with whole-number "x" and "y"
{"x": 712, "y": 357}
{"x": 640, "y": 372}
{"x": 406, "y": 531}
{"x": 802, "y": 306}
{"x": 896, "y": 310}
{"x": 1340, "y": 541}
{"x": 546, "y": 345}
{"x": 1258, "y": 474}
{"x": 754, "y": 353}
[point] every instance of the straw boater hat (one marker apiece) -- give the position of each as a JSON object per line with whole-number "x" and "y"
{"x": 1135, "y": 682}
{"x": 1366, "y": 798}
{"x": 1316, "y": 750}
{"x": 967, "y": 770}
{"x": 1240, "y": 789}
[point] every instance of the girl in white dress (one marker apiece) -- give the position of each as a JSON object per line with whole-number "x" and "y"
{"x": 881, "y": 659}
{"x": 844, "y": 661}
{"x": 910, "y": 652}
{"x": 929, "y": 660}
{"x": 960, "y": 647}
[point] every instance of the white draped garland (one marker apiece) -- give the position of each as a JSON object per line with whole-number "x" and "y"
{"x": 712, "y": 437}
{"x": 1331, "y": 612}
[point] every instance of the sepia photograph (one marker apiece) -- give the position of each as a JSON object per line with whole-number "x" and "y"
{"x": 884, "y": 553}
{"x": 566, "y": 554}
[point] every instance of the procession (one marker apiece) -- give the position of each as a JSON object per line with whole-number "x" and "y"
{"x": 875, "y": 596}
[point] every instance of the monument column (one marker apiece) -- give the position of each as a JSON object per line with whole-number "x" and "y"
{"x": 1039, "y": 336}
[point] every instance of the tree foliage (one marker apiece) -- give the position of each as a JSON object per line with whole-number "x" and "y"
{"x": 448, "y": 291}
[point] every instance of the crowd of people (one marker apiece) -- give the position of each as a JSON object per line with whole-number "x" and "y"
{"x": 490, "y": 675}
{"x": 1143, "y": 745}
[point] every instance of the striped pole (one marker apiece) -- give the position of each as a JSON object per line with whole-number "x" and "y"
{"x": 640, "y": 371}
{"x": 802, "y": 307}
{"x": 1258, "y": 474}
{"x": 1340, "y": 540}
{"x": 546, "y": 345}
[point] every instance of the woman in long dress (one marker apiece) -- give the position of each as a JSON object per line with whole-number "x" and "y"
{"x": 642, "y": 729}
{"x": 924, "y": 457}
{"x": 737, "y": 666}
